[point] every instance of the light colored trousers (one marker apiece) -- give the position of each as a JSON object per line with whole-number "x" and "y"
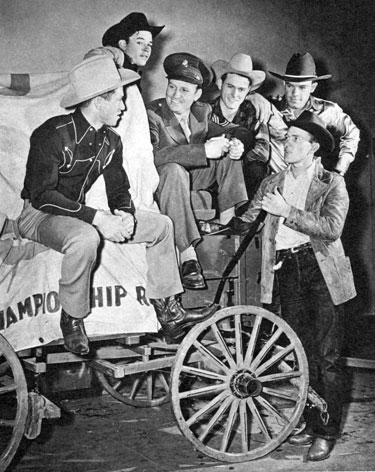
{"x": 78, "y": 242}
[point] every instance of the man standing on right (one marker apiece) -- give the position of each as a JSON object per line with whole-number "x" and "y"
{"x": 300, "y": 81}
{"x": 306, "y": 209}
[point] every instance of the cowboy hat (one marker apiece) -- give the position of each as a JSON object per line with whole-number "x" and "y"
{"x": 127, "y": 27}
{"x": 188, "y": 68}
{"x": 311, "y": 123}
{"x": 240, "y": 64}
{"x": 301, "y": 67}
{"x": 94, "y": 76}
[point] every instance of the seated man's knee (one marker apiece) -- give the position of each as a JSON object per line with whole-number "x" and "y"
{"x": 173, "y": 171}
{"x": 87, "y": 240}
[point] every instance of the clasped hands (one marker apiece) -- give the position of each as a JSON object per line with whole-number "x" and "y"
{"x": 116, "y": 228}
{"x": 275, "y": 204}
{"x": 218, "y": 146}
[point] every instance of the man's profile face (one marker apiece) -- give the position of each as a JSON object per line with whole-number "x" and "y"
{"x": 181, "y": 95}
{"x": 111, "y": 108}
{"x": 234, "y": 90}
{"x": 299, "y": 146}
{"x": 138, "y": 48}
{"x": 297, "y": 94}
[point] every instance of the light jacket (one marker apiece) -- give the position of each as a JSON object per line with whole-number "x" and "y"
{"x": 322, "y": 219}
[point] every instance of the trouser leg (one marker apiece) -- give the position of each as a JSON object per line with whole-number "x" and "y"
{"x": 163, "y": 278}
{"x": 173, "y": 195}
{"x": 78, "y": 242}
{"x": 228, "y": 174}
{"x": 307, "y": 306}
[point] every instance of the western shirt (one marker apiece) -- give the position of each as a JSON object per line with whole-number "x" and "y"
{"x": 66, "y": 157}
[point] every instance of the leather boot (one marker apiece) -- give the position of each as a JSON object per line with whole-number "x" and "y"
{"x": 75, "y": 337}
{"x": 304, "y": 438}
{"x": 321, "y": 449}
{"x": 174, "y": 318}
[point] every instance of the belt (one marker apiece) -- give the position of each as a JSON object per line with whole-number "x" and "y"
{"x": 283, "y": 254}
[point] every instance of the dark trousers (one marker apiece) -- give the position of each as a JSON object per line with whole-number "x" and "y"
{"x": 307, "y": 307}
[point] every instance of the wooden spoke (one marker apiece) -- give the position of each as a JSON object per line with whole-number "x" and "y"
{"x": 222, "y": 409}
{"x": 271, "y": 409}
{"x": 280, "y": 376}
{"x": 287, "y": 395}
{"x": 203, "y": 373}
{"x": 202, "y": 391}
{"x": 253, "y": 339}
{"x": 8, "y": 388}
{"x": 258, "y": 419}
{"x": 243, "y": 425}
{"x": 238, "y": 332}
{"x": 276, "y": 358}
{"x": 210, "y": 356}
{"x": 265, "y": 349}
{"x": 230, "y": 424}
{"x": 224, "y": 348}
{"x": 207, "y": 408}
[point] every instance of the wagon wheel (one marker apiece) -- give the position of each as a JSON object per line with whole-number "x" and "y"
{"x": 13, "y": 403}
{"x": 143, "y": 390}
{"x": 239, "y": 384}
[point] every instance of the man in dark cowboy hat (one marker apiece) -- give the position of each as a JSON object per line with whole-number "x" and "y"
{"x": 300, "y": 81}
{"x": 306, "y": 209}
{"x": 133, "y": 39}
{"x": 188, "y": 158}
{"x": 67, "y": 155}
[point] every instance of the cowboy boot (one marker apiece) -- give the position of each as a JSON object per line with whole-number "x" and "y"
{"x": 174, "y": 318}
{"x": 75, "y": 337}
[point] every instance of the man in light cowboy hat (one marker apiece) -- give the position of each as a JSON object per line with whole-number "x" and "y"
{"x": 306, "y": 209}
{"x": 236, "y": 80}
{"x": 67, "y": 155}
{"x": 300, "y": 81}
{"x": 191, "y": 153}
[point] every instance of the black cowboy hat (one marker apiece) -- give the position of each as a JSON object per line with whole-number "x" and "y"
{"x": 311, "y": 123}
{"x": 127, "y": 27}
{"x": 187, "y": 67}
{"x": 301, "y": 67}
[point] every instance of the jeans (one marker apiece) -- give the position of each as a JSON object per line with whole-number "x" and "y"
{"x": 307, "y": 307}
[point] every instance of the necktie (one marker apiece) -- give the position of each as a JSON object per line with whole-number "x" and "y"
{"x": 185, "y": 128}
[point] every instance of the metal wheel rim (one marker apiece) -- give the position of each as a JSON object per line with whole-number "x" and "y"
{"x": 227, "y": 400}
{"x": 18, "y": 387}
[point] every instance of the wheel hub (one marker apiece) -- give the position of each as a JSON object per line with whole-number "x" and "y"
{"x": 243, "y": 385}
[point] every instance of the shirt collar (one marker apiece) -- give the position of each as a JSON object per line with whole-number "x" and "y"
{"x": 83, "y": 127}
{"x": 308, "y": 173}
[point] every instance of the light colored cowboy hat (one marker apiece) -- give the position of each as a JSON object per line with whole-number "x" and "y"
{"x": 94, "y": 76}
{"x": 240, "y": 64}
{"x": 310, "y": 122}
{"x": 301, "y": 67}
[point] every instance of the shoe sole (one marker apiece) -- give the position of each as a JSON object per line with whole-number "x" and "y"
{"x": 82, "y": 353}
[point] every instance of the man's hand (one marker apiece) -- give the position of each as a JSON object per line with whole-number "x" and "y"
{"x": 216, "y": 147}
{"x": 236, "y": 149}
{"x": 263, "y": 111}
{"x": 111, "y": 227}
{"x": 128, "y": 220}
{"x": 275, "y": 204}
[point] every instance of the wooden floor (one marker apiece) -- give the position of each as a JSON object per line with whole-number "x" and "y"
{"x": 99, "y": 434}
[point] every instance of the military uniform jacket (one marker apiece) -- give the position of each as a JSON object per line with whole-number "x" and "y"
{"x": 168, "y": 139}
{"x": 323, "y": 220}
{"x": 66, "y": 157}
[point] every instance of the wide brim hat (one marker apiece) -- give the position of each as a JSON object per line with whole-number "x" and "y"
{"x": 94, "y": 76}
{"x": 240, "y": 64}
{"x": 188, "y": 68}
{"x": 311, "y": 123}
{"x": 127, "y": 27}
{"x": 301, "y": 67}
